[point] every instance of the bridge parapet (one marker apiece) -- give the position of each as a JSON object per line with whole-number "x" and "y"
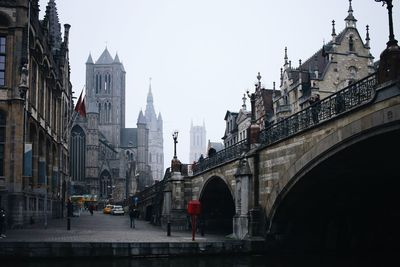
{"x": 343, "y": 101}
{"x": 223, "y": 156}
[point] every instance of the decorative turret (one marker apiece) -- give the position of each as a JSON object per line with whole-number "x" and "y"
{"x": 90, "y": 59}
{"x": 244, "y": 102}
{"x": 333, "y": 31}
{"x": 116, "y": 59}
{"x": 367, "y": 39}
{"x": 286, "y": 58}
{"x": 52, "y": 25}
{"x": 350, "y": 19}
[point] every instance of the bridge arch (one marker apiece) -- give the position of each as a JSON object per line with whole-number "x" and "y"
{"x": 322, "y": 206}
{"x": 218, "y": 206}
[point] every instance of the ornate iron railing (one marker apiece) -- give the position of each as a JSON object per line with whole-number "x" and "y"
{"x": 220, "y": 157}
{"x": 351, "y": 97}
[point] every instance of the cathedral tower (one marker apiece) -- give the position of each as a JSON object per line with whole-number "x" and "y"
{"x": 197, "y": 142}
{"x": 156, "y": 150}
{"x": 105, "y": 86}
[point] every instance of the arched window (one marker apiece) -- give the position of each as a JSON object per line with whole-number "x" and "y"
{"x": 109, "y": 83}
{"x": 97, "y": 83}
{"x": 109, "y": 112}
{"x": 105, "y": 119}
{"x": 351, "y": 44}
{"x": 3, "y": 124}
{"x": 100, "y": 112}
{"x": 77, "y": 154}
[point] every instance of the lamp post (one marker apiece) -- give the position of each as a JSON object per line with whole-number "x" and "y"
{"x": 175, "y": 137}
{"x": 389, "y": 66}
{"x": 392, "y": 40}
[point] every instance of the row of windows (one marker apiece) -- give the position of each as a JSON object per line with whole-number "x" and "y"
{"x": 42, "y": 96}
{"x": 2, "y": 60}
{"x": 105, "y": 112}
{"x": 103, "y": 84}
{"x": 2, "y": 140}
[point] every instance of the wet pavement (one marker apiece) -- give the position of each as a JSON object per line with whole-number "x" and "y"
{"x": 101, "y": 227}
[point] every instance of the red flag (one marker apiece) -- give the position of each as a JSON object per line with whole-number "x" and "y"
{"x": 80, "y": 106}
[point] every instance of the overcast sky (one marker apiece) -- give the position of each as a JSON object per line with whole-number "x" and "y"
{"x": 203, "y": 55}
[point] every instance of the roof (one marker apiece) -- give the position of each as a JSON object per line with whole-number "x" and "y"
{"x": 105, "y": 58}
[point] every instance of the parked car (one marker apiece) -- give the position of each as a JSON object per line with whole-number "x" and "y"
{"x": 117, "y": 210}
{"x": 107, "y": 209}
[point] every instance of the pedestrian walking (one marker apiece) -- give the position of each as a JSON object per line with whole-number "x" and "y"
{"x": 2, "y": 222}
{"x": 91, "y": 208}
{"x": 132, "y": 214}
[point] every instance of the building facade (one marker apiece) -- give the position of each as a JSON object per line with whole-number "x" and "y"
{"x": 342, "y": 61}
{"x": 35, "y": 109}
{"x": 110, "y": 162}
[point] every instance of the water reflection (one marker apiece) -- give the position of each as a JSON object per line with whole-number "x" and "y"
{"x": 209, "y": 261}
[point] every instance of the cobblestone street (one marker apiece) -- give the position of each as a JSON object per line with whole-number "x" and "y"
{"x": 100, "y": 228}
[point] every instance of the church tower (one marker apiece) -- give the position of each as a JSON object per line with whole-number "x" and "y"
{"x": 197, "y": 142}
{"x": 156, "y": 150}
{"x": 105, "y": 87}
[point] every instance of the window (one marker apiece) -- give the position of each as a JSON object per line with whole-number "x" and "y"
{"x": 77, "y": 154}
{"x": 2, "y": 61}
{"x": 2, "y": 140}
{"x": 32, "y": 90}
{"x": 109, "y": 112}
{"x": 97, "y": 83}
{"x": 351, "y": 44}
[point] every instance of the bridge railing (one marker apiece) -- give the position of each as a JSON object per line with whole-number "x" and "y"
{"x": 149, "y": 192}
{"x": 220, "y": 157}
{"x": 349, "y": 98}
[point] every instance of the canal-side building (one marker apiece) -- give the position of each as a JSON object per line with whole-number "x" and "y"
{"x": 340, "y": 62}
{"x": 35, "y": 108}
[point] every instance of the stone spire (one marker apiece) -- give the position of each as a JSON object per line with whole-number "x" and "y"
{"x": 367, "y": 39}
{"x": 286, "y": 57}
{"x": 141, "y": 119}
{"x": 244, "y": 102}
{"x": 333, "y": 31}
{"x": 350, "y": 19}
{"x": 90, "y": 59}
{"x": 52, "y": 24}
{"x": 116, "y": 59}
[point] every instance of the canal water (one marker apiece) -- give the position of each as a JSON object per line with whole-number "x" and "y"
{"x": 209, "y": 261}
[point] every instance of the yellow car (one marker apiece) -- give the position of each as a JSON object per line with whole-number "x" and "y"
{"x": 107, "y": 209}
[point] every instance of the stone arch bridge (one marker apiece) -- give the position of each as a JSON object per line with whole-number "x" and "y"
{"x": 327, "y": 176}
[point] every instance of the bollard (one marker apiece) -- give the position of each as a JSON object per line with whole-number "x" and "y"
{"x": 68, "y": 223}
{"x": 168, "y": 229}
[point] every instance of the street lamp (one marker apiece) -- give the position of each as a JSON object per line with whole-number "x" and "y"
{"x": 392, "y": 40}
{"x": 389, "y": 65}
{"x": 175, "y": 137}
